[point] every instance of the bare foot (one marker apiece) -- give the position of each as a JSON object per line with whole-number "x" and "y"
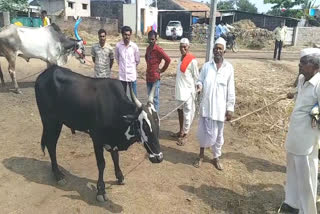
{"x": 182, "y": 141}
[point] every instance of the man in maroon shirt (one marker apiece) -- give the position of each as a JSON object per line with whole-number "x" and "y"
{"x": 154, "y": 56}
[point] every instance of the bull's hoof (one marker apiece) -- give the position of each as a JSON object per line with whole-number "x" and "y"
{"x": 17, "y": 91}
{"x": 102, "y": 198}
{"x": 62, "y": 182}
{"x": 121, "y": 181}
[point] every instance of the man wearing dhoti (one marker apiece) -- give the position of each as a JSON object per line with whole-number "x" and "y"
{"x": 218, "y": 99}
{"x": 185, "y": 90}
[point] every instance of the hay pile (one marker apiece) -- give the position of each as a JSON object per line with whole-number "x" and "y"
{"x": 246, "y": 32}
{"x": 250, "y": 36}
{"x": 199, "y": 32}
{"x": 256, "y": 88}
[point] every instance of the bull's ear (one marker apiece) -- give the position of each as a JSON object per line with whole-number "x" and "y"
{"x": 129, "y": 118}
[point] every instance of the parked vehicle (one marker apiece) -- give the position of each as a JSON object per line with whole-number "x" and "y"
{"x": 174, "y": 30}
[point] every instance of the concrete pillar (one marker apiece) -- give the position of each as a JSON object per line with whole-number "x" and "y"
{"x": 6, "y": 18}
{"x": 295, "y": 36}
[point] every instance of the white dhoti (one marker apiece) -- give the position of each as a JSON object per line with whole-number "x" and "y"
{"x": 210, "y": 134}
{"x": 188, "y": 113}
{"x": 301, "y": 186}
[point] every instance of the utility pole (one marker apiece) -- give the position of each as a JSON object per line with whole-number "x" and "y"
{"x": 212, "y": 26}
{"x": 138, "y": 22}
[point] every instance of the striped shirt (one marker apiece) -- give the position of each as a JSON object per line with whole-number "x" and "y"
{"x": 102, "y": 55}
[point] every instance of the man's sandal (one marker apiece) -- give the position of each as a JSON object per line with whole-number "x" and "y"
{"x": 197, "y": 163}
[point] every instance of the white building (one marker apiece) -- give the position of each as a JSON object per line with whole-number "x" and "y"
{"x": 69, "y": 7}
{"x": 148, "y": 17}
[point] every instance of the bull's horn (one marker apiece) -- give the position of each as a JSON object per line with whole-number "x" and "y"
{"x": 151, "y": 95}
{"x": 76, "y": 29}
{"x": 133, "y": 97}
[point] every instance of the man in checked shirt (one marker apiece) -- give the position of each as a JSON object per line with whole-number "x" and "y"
{"x": 154, "y": 56}
{"x": 102, "y": 56}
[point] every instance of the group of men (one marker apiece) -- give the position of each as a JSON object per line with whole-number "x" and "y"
{"x": 216, "y": 81}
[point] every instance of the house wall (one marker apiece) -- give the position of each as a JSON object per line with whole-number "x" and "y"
{"x": 54, "y": 6}
{"x": 129, "y": 11}
{"x": 112, "y": 10}
{"x": 150, "y": 19}
{"x": 307, "y": 36}
{"x": 77, "y": 9}
{"x": 89, "y": 24}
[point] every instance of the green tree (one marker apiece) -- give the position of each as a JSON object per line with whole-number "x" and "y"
{"x": 13, "y": 5}
{"x": 246, "y": 6}
{"x": 226, "y": 5}
{"x": 287, "y": 4}
{"x": 293, "y": 13}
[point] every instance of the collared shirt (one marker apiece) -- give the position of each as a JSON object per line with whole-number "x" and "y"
{"x": 301, "y": 136}
{"x": 153, "y": 57}
{"x": 280, "y": 33}
{"x": 102, "y": 55}
{"x": 218, "y": 91}
{"x": 128, "y": 57}
{"x": 186, "y": 81}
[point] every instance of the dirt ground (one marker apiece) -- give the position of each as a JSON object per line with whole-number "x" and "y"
{"x": 253, "y": 155}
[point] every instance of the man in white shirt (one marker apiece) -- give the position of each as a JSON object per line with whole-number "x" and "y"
{"x": 217, "y": 84}
{"x": 280, "y": 35}
{"x": 185, "y": 90}
{"x": 302, "y": 139}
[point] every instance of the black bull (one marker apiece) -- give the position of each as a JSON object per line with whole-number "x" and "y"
{"x": 101, "y": 107}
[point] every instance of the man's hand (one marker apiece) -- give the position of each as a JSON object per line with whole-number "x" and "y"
{"x": 229, "y": 115}
{"x": 290, "y": 95}
{"x": 160, "y": 71}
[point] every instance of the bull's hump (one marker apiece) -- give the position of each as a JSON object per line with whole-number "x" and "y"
{"x": 9, "y": 31}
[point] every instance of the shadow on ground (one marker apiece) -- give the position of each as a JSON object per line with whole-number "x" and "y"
{"x": 40, "y": 172}
{"x": 253, "y": 163}
{"x": 222, "y": 199}
{"x": 10, "y": 88}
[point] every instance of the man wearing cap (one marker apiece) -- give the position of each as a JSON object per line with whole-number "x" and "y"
{"x": 216, "y": 82}
{"x": 102, "y": 56}
{"x": 185, "y": 90}
{"x": 302, "y": 139}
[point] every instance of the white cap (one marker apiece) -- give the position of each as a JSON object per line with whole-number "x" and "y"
{"x": 309, "y": 51}
{"x": 184, "y": 41}
{"x": 221, "y": 41}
